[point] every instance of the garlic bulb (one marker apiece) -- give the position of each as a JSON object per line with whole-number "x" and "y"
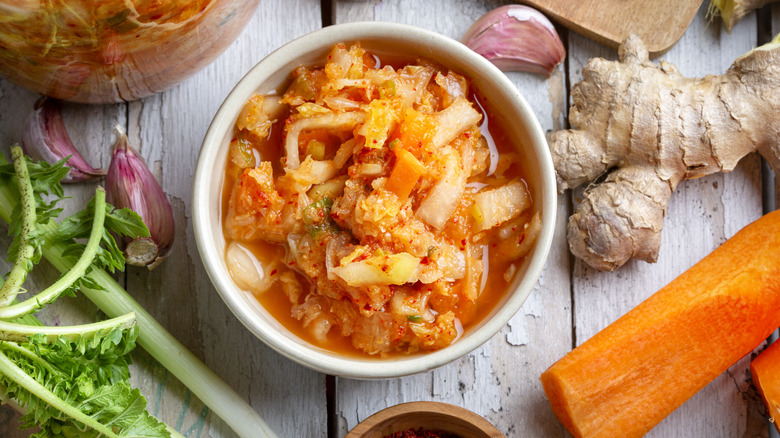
{"x": 129, "y": 183}
{"x": 44, "y": 137}
{"x": 517, "y": 38}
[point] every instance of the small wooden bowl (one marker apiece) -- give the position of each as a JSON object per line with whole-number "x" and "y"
{"x": 432, "y": 416}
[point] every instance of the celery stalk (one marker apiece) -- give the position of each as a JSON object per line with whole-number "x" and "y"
{"x": 18, "y": 273}
{"x": 160, "y": 344}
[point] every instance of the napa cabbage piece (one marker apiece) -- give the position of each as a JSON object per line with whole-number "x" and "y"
{"x": 442, "y": 199}
{"x": 259, "y": 114}
{"x": 454, "y": 121}
{"x": 332, "y": 188}
{"x": 378, "y": 269}
{"x": 345, "y": 63}
{"x": 501, "y": 204}
{"x": 312, "y": 172}
{"x": 257, "y": 210}
{"x": 335, "y": 121}
{"x": 454, "y": 86}
{"x": 382, "y": 117}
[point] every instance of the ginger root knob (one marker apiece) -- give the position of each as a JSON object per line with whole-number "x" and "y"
{"x": 646, "y": 128}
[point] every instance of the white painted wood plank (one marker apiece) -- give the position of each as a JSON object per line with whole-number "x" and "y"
{"x": 500, "y": 380}
{"x": 702, "y": 214}
{"x": 90, "y": 130}
{"x": 168, "y": 129}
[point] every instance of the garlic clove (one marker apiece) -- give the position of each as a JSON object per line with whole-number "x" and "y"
{"x": 44, "y": 137}
{"x": 517, "y": 38}
{"x": 130, "y": 184}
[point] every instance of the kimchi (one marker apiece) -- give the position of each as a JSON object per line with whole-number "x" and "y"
{"x": 371, "y": 199}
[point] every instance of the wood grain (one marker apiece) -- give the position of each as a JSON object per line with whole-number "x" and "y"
{"x": 500, "y": 380}
{"x": 167, "y": 130}
{"x": 702, "y": 214}
{"x": 659, "y": 23}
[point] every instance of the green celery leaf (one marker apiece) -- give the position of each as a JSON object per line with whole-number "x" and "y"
{"x": 91, "y": 374}
{"x": 126, "y": 222}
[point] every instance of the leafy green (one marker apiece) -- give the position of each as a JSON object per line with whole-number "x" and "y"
{"x": 122, "y": 222}
{"x": 89, "y": 375}
{"x": 73, "y": 381}
{"x": 316, "y": 218}
{"x": 114, "y": 301}
{"x": 47, "y": 191}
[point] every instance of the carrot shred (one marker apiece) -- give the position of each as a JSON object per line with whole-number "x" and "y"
{"x": 415, "y": 131}
{"x": 406, "y": 172}
{"x": 631, "y": 375}
{"x": 765, "y": 370}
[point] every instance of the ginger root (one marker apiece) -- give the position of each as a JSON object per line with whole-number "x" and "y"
{"x": 731, "y": 11}
{"x": 648, "y": 128}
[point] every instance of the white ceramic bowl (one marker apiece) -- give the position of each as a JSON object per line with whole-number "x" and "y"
{"x": 272, "y": 72}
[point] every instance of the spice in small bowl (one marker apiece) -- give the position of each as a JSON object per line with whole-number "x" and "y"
{"x": 425, "y": 419}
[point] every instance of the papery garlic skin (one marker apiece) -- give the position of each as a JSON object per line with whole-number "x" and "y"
{"x": 44, "y": 137}
{"x": 130, "y": 184}
{"x": 517, "y": 38}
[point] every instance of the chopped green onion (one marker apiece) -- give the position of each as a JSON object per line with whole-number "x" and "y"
{"x": 387, "y": 89}
{"x": 246, "y": 152}
{"x": 414, "y": 318}
{"x": 318, "y": 211}
{"x": 477, "y": 213}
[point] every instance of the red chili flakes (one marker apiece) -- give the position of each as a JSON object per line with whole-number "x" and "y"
{"x": 522, "y": 237}
{"x": 273, "y": 272}
{"x": 421, "y": 433}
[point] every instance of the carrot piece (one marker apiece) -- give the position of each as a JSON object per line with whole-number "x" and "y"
{"x": 416, "y": 130}
{"x": 406, "y": 172}
{"x": 765, "y": 370}
{"x": 631, "y": 375}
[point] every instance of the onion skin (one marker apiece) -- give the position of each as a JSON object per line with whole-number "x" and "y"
{"x": 517, "y": 38}
{"x": 44, "y": 137}
{"x": 130, "y": 184}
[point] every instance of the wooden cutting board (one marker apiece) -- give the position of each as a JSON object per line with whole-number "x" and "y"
{"x": 660, "y": 23}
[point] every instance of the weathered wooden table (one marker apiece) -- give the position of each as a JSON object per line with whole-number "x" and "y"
{"x": 500, "y": 380}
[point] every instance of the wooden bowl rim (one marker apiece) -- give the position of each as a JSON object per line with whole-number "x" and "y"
{"x": 423, "y": 407}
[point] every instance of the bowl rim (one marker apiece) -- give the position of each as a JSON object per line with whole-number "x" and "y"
{"x": 376, "y": 421}
{"x": 311, "y": 356}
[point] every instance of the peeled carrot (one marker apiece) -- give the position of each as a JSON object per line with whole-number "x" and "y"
{"x": 631, "y": 375}
{"x": 765, "y": 370}
{"x": 406, "y": 172}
